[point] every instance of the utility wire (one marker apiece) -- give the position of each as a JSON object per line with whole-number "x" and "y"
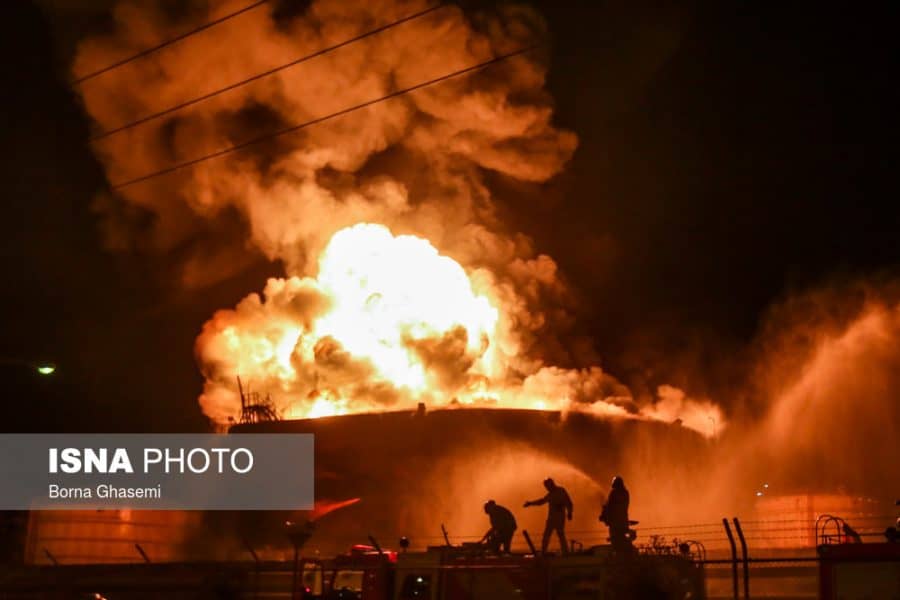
{"x": 305, "y": 124}
{"x": 272, "y": 71}
{"x": 168, "y": 42}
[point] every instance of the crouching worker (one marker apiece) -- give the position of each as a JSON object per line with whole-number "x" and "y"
{"x": 503, "y": 525}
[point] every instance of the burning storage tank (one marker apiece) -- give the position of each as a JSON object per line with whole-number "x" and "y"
{"x": 402, "y": 283}
{"x": 414, "y": 471}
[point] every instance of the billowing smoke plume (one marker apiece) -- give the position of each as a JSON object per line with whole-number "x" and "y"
{"x": 402, "y": 283}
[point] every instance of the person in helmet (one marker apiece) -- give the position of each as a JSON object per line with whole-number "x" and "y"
{"x": 559, "y": 507}
{"x": 615, "y": 514}
{"x": 503, "y": 526}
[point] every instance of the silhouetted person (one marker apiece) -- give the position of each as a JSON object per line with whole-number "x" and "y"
{"x": 559, "y": 508}
{"x": 503, "y": 525}
{"x": 615, "y": 514}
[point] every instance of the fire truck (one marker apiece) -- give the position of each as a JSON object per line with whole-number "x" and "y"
{"x": 851, "y": 569}
{"x": 471, "y": 573}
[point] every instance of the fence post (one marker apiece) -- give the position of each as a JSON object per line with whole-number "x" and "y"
{"x": 734, "y": 573}
{"x": 746, "y": 557}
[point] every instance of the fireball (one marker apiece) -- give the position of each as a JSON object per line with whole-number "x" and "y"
{"x": 387, "y": 320}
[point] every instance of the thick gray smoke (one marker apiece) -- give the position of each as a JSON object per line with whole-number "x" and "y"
{"x": 416, "y": 164}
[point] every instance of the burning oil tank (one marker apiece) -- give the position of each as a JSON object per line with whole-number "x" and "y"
{"x": 413, "y": 471}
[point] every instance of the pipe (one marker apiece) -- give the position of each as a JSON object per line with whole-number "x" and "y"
{"x": 51, "y": 558}
{"x": 255, "y": 567}
{"x": 295, "y": 578}
{"x": 143, "y": 554}
{"x": 530, "y": 544}
{"x": 250, "y": 550}
{"x": 376, "y": 546}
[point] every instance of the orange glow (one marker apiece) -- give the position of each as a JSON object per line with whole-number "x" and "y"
{"x": 388, "y": 322}
{"x": 387, "y": 292}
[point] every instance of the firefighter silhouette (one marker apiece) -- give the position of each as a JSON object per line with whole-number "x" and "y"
{"x": 615, "y": 515}
{"x": 503, "y": 525}
{"x": 559, "y": 507}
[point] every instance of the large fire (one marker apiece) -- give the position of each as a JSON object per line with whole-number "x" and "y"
{"x": 388, "y": 322}
{"x": 388, "y": 293}
{"x": 460, "y": 309}
{"x": 387, "y": 305}
{"x": 404, "y": 282}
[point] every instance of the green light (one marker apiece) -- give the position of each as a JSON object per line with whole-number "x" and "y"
{"x": 46, "y": 369}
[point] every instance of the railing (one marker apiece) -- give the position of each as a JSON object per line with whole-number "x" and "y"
{"x": 791, "y": 571}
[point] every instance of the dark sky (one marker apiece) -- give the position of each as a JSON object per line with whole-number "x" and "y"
{"x": 730, "y": 154}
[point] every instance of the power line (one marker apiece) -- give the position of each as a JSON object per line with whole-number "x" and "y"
{"x": 272, "y": 71}
{"x": 305, "y": 124}
{"x": 168, "y": 42}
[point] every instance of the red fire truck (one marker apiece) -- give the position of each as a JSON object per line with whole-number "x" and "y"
{"x": 851, "y": 569}
{"x": 470, "y": 573}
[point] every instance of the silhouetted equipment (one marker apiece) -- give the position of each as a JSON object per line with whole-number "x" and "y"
{"x": 404, "y": 543}
{"x": 376, "y": 545}
{"x": 142, "y": 553}
{"x": 256, "y": 574}
{"x": 691, "y": 550}
{"x": 834, "y": 530}
{"x": 255, "y": 408}
{"x": 529, "y": 542}
{"x": 250, "y": 549}
{"x": 51, "y": 558}
{"x": 851, "y": 535}
{"x": 298, "y": 534}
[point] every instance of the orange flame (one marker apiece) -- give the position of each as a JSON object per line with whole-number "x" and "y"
{"x": 388, "y": 322}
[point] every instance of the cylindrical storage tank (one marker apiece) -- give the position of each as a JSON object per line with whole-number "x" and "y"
{"x": 108, "y": 536}
{"x": 414, "y": 471}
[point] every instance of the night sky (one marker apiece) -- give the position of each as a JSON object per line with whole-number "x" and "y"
{"x": 731, "y": 154}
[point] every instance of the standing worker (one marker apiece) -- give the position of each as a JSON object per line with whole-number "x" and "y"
{"x": 503, "y": 525}
{"x": 615, "y": 515}
{"x": 559, "y": 508}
